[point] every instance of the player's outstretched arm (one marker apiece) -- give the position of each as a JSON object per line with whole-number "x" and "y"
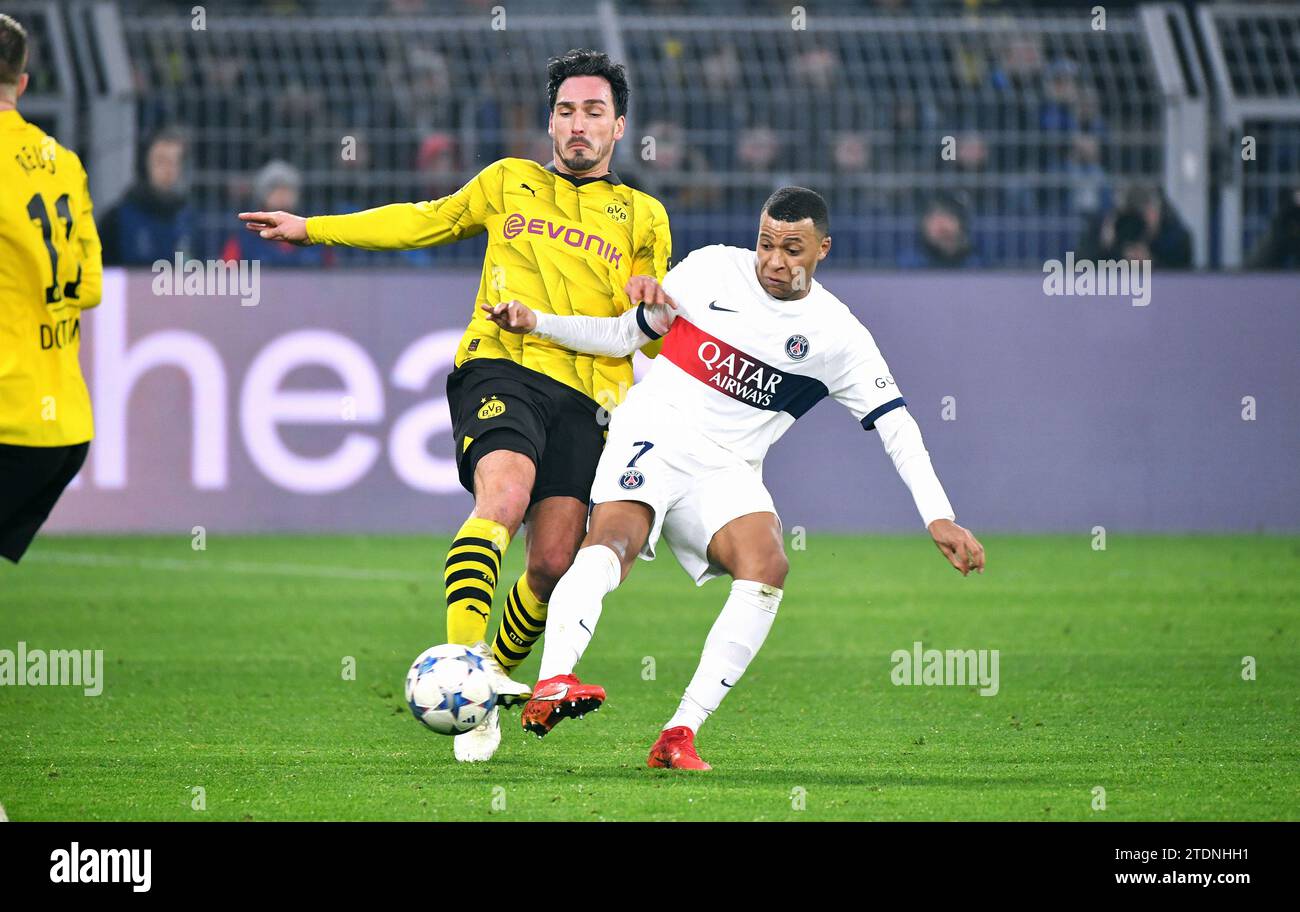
{"x": 614, "y": 337}
{"x": 399, "y": 226}
{"x": 277, "y": 226}
{"x": 901, "y": 437}
{"x": 649, "y": 291}
{"x": 512, "y": 316}
{"x": 867, "y": 389}
{"x": 956, "y": 543}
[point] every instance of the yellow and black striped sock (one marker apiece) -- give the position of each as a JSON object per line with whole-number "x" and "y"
{"x": 473, "y": 568}
{"x": 522, "y": 622}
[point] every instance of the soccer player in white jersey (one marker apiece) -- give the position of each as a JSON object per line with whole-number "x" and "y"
{"x": 751, "y": 342}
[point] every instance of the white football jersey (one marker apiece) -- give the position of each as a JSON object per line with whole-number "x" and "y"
{"x": 740, "y": 366}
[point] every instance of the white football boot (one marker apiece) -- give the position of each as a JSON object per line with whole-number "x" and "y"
{"x": 480, "y": 743}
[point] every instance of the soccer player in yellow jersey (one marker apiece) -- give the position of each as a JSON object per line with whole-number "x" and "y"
{"x": 565, "y": 238}
{"x": 50, "y": 271}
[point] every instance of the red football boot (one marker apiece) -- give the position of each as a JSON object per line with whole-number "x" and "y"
{"x": 559, "y": 698}
{"x": 675, "y": 749}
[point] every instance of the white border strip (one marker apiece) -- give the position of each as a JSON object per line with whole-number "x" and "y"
{"x": 202, "y": 565}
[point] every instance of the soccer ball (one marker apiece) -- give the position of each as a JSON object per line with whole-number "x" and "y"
{"x": 449, "y": 689}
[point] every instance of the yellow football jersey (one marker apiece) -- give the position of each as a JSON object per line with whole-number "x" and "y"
{"x": 556, "y": 243}
{"x": 50, "y": 270}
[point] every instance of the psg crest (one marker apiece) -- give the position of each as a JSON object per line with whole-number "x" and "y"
{"x": 797, "y": 347}
{"x": 632, "y": 479}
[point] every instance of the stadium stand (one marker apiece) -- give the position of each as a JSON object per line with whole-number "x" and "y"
{"x": 951, "y": 135}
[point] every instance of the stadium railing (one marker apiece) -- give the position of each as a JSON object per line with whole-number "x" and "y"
{"x": 1026, "y": 124}
{"x": 1041, "y": 116}
{"x": 1254, "y": 57}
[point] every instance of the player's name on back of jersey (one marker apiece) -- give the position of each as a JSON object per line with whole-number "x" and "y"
{"x": 42, "y": 157}
{"x": 191, "y": 277}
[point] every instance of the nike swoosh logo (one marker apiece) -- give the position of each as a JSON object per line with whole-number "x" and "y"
{"x": 558, "y": 695}
{"x": 725, "y": 684}
{"x": 585, "y": 627}
{"x": 713, "y": 305}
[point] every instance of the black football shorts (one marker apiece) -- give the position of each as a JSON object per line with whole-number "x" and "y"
{"x": 31, "y": 481}
{"x": 500, "y": 405}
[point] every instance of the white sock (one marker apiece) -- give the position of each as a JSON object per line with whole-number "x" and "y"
{"x": 575, "y": 608}
{"x": 735, "y": 639}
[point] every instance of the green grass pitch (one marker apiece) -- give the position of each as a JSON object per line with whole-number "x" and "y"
{"x": 1119, "y": 669}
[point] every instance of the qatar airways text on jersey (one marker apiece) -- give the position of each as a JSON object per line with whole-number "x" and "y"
{"x": 763, "y": 361}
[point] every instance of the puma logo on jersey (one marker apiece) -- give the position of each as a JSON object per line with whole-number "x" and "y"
{"x": 529, "y": 189}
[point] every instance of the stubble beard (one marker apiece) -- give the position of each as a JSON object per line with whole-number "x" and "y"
{"x": 582, "y": 159}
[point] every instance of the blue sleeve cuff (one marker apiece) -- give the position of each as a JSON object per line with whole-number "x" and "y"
{"x": 644, "y": 324}
{"x": 869, "y": 422}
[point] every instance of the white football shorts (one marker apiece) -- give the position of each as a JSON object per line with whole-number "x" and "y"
{"x": 694, "y": 486}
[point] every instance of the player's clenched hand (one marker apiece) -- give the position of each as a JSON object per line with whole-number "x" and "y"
{"x": 961, "y": 548}
{"x": 512, "y": 316}
{"x": 277, "y": 226}
{"x": 646, "y": 289}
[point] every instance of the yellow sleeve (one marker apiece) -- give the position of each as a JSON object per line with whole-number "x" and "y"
{"x": 652, "y": 257}
{"x": 88, "y": 249}
{"x": 656, "y": 246}
{"x": 405, "y": 226}
{"x": 651, "y": 349}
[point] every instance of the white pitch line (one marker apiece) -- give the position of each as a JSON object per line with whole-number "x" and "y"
{"x": 88, "y": 559}
{"x": 4, "y": 818}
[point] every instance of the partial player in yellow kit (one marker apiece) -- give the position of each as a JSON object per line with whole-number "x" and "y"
{"x": 566, "y": 242}
{"x": 567, "y": 237}
{"x": 50, "y": 270}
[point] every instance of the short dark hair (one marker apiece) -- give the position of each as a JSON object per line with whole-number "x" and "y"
{"x": 13, "y": 50}
{"x": 586, "y": 62}
{"x": 794, "y": 204}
